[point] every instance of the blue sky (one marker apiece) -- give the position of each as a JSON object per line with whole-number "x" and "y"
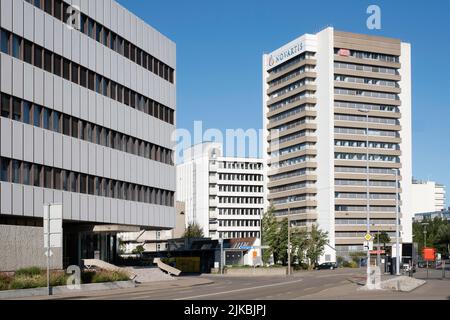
{"x": 220, "y": 44}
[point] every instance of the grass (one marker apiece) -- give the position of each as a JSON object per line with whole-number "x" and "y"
{"x": 34, "y": 277}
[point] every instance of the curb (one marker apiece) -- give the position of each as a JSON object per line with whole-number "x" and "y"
{"x": 24, "y": 293}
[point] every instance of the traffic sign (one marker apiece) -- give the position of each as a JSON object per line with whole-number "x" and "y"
{"x": 368, "y": 237}
{"x": 377, "y": 252}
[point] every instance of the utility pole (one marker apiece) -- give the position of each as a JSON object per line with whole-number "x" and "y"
{"x": 397, "y": 226}
{"x": 425, "y": 224}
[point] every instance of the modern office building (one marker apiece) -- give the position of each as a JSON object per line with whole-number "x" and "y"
{"x": 427, "y": 196}
{"x": 443, "y": 214}
{"x": 88, "y": 102}
{"x": 330, "y": 99}
{"x": 224, "y": 195}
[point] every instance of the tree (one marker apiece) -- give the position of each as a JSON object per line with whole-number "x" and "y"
{"x": 299, "y": 241}
{"x": 436, "y": 234}
{"x": 383, "y": 238}
{"x": 443, "y": 238}
{"x": 269, "y": 234}
{"x": 138, "y": 250}
{"x": 315, "y": 246}
{"x": 193, "y": 230}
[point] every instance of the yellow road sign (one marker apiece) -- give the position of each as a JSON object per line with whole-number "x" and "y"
{"x": 368, "y": 237}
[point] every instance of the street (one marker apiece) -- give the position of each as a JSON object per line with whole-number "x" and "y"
{"x": 324, "y": 284}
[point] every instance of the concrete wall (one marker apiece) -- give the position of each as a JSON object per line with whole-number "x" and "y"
{"x": 22, "y": 247}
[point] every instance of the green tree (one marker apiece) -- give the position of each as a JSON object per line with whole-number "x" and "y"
{"x": 138, "y": 250}
{"x": 193, "y": 230}
{"x": 436, "y": 234}
{"x": 443, "y": 238}
{"x": 315, "y": 246}
{"x": 299, "y": 241}
{"x": 382, "y": 238}
{"x": 269, "y": 234}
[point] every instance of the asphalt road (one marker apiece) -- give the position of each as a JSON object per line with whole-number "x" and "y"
{"x": 243, "y": 288}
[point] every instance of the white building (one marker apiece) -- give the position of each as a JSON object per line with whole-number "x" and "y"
{"x": 224, "y": 195}
{"x": 328, "y": 100}
{"x": 88, "y": 106}
{"x": 427, "y": 196}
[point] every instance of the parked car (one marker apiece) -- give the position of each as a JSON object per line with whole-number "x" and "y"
{"x": 327, "y": 266}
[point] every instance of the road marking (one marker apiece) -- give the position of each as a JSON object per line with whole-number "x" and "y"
{"x": 240, "y": 290}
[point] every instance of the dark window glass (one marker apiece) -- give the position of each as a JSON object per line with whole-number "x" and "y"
{"x": 91, "y": 185}
{"x": 4, "y": 174}
{"x": 15, "y": 171}
{"x": 112, "y": 42}
{"x": 17, "y": 110}
{"x": 83, "y": 77}
{"x": 89, "y": 132}
{"x": 28, "y": 52}
{"x": 75, "y": 73}
{"x": 37, "y": 115}
{"x": 37, "y": 3}
{"x": 26, "y": 170}
{"x": 139, "y": 56}
{"x": 99, "y": 31}
{"x": 91, "y": 28}
{"x": 133, "y": 53}
{"x": 66, "y": 69}
{"x": 4, "y": 39}
{"x": 150, "y": 64}
{"x": 58, "y": 9}
{"x": 66, "y": 12}
{"x": 98, "y": 81}
{"x": 37, "y": 175}
{"x": 38, "y": 56}
{"x": 65, "y": 180}
{"x": 83, "y": 183}
{"x": 82, "y": 130}
{"x": 48, "y": 177}
{"x": 57, "y": 179}
{"x": 74, "y": 177}
{"x": 6, "y": 100}
{"x": 47, "y": 61}
{"x": 112, "y": 91}
{"x": 97, "y": 183}
{"x": 56, "y": 121}
{"x": 97, "y": 134}
{"x": 126, "y": 96}
{"x": 26, "y": 112}
{"x": 83, "y": 23}
{"x": 16, "y": 47}
{"x": 105, "y": 37}
{"x": 57, "y": 65}
{"x": 74, "y": 128}
{"x": 119, "y": 93}
{"x": 46, "y": 118}
{"x": 105, "y": 87}
{"x": 91, "y": 81}
{"x": 126, "y": 49}
{"x": 66, "y": 125}
{"x": 121, "y": 44}
{"x": 48, "y": 7}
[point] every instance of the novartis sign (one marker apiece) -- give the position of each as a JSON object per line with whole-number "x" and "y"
{"x": 284, "y": 55}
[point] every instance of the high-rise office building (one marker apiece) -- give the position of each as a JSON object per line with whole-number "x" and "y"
{"x": 337, "y": 113}
{"x": 88, "y": 102}
{"x": 224, "y": 195}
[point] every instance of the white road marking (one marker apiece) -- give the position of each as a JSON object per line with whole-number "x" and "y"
{"x": 240, "y": 290}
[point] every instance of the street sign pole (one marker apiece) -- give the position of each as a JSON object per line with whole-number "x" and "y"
{"x": 289, "y": 241}
{"x": 47, "y": 215}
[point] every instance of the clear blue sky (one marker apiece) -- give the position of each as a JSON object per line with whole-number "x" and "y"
{"x": 220, "y": 44}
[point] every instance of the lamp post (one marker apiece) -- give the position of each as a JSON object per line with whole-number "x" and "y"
{"x": 366, "y": 112}
{"x": 397, "y": 226}
{"x": 289, "y": 240}
{"x": 425, "y": 224}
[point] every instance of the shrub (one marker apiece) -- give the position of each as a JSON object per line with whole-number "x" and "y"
{"x": 5, "y": 281}
{"x": 28, "y": 272}
{"x": 109, "y": 276}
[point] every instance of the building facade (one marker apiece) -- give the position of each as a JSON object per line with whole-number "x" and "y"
{"x": 427, "y": 196}
{"x": 337, "y": 113}
{"x": 88, "y": 102}
{"x": 224, "y": 195}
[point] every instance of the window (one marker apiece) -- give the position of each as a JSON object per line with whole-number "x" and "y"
{"x": 37, "y": 116}
{"x": 91, "y": 26}
{"x": 66, "y": 125}
{"x": 26, "y": 170}
{"x": 37, "y": 3}
{"x": 57, "y": 179}
{"x": 4, "y": 41}
{"x": 26, "y": 114}
{"x": 58, "y": 9}
{"x": 5, "y": 106}
{"x": 75, "y": 69}
{"x": 48, "y": 177}
{"x": 47, "y": 61}
{"x": 91, "y": 185}
{"x": 98, "y": 81}
{"x": 91, "y": 81}
{"x": 74, "y": 177}
{"x": 83, "y": 77}
{"x": 66, "y": 69}
{"x": 65, "y": 180}
{"x": 83, "y": 182}
{"x": 99, "y": 32}
{"x": 17, "y": 110}
{"x": 56, "y": 126}
{"x": 16, "y": 47}
{"x": 4, "y": 170}
{"x": 112, "y": 42}
{"x": 48, "y": 7}
{"x": 46, "y": 119}
{"x": 74, "y": 127}
{"x": 57, "y": 65}
{"x": 38, "y": 56}
{"x": 37, "y": 169}
{"x": 28, "y": 52}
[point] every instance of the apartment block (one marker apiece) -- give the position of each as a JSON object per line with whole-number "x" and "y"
{"x": 427, "y": 196}
{"x": 337, "y": 120}
{"x": 88, "y": 105}
{"x": 224, "y": 195}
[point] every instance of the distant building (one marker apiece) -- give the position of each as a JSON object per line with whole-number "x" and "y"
{"x": 444, "y": 214}
{"x": 224, "y": 195}
{"x": 427, "y": 196}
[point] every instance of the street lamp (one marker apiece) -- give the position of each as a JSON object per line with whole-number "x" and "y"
{"x": 289, "y": 239}
{"x": 397, "y": 226}
{"x": 366, "y": 112}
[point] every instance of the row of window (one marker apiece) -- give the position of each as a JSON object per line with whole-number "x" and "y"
{"x": 292, "y": 99}
{"x": 372, "y": 132}
{"x": 363, "y": 222}
{"x": 291, "y": 87}
{"x": 362, "y": 144}
{"x": 51, "y": 62}
{"x": 291, "y": 75}
{"x": 370, "y": 55}
{"x": 239, "y": 234}
{"x": 365, "y": 106}
{"x": 363, "y": 195}
{"x": 241, "y": 200}
{"x": 361, "y": 157}
{"x": 372, "y": 183}
{"x": 291, "y": 112}
{"x": 287, "y": 175}
{"x": 292, "y": 136}
{"x": 363, "y": 93}
{"x": 240, "y": 177}
{"x": 346, "y": 117}
{"x": 32, "y": 174}
{"x": 364, "y": 208}
{"x": 291, "y": 162}
{"x": 291, "y": 62}
{"x": 293, "y": 199}
{"x": 292, "y": 149}
{"x": 364, "y": 170}
{"x": 356, "y": 234}
{"x": 359, "y": 67}
{"x": 294, "y": 186}
{"x": 293, "y": 211}
{"x": 39, "y": 116}
{"x": 292, "y": 124}
{"x": 65, "y": 13}
{"x": 240, "y": 165}
{"x": 239, "y": 223}
{"x": 240, "y": 211}
{"x": 371, "y": 81}
{"x": 235, "y": 188}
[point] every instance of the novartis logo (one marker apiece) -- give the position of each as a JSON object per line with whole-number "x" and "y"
{"x": 280, "y": 57}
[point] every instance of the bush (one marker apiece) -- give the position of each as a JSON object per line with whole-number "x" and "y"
{"x": 5, "y": 281}
{"x": 350, "y": 264}
{"x": 28, "y": 272}
{"x": 100, "y": 276}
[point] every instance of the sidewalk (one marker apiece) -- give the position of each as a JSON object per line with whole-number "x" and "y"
{"x": 182, "y": 282}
